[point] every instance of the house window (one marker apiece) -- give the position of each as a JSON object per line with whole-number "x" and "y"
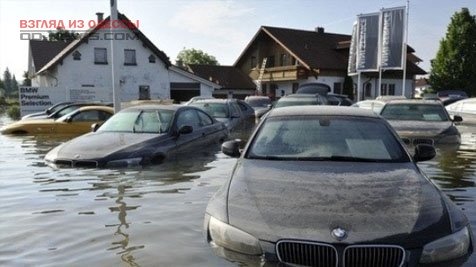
{"x": 293, "y": 61}
{"x": 100, "y": 55}
{"x": 283, "y": 60}
{"x": 270, "y": 62}
{"x": 253, "y": 62}
{"x": 151, "y": 59}
{"x": 295, "y": 87}
{"x": 144, "y": 92}
{"x": 338, "y": 88}
{"x": 130, "y": 57}
{"x": 76, "y": 55}
{"x": 368, "y": 90}
{"x": 387, "y": 89}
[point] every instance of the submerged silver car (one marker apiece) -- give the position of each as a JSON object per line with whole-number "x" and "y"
{"x": 420, "y": 121}
{"x": 333, "y": 186}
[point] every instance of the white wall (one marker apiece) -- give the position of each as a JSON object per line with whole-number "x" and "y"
{"x": 409, "y": 86}
{"x": 78, "y": 73}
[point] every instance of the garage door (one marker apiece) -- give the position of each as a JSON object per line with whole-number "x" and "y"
{"x": 181, "y": 92}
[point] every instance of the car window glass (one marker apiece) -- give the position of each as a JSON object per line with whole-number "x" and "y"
{"x": 65, "y": 111}
{"x": 314, "y": 137}
{"x": 216, "y": 110}
{"x": 104, "y": 115}
{"x": 88, "y": 115}
{"x": 242, "y": 106}
{"x": 417, "y": 112}
{"x": 188, "y": 117}
{"x": 139, "y": 121}
{"x": 205, "y": 120}
{"x": 235, "y": 110}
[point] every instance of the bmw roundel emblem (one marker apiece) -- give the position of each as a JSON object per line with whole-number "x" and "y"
{"x": 77, "y": 156}
{"x": 339, "y": 234}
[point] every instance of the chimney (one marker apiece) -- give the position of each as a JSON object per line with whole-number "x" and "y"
{"x": 100, "y": 16}
{"x": 320, "y": 29}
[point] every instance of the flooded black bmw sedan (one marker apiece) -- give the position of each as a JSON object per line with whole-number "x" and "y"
{"x": 333, "y": 186}
{"x": 141, "y": 135}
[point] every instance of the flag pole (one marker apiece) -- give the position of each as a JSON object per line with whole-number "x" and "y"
{"x": 404, "y": 58}
{"x": 114, "y": 67}
{"x": 379, "y": 58}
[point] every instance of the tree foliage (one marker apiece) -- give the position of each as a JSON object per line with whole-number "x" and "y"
{"x": 26, "y": 79}
{"x": 454, "y": 66}
{"x": 195, "y": 56}
{"x": 62, "y": 34}
{"x": 7, "y": 82}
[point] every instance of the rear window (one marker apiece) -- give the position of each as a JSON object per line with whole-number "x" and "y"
{"x": 414, "y": 112}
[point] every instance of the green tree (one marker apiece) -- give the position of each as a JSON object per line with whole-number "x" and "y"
{"x": 454, "y": 66}
{"x": 62, "y": 34}
{"x": 7, "y": 81}
{"x": 14, "y": 90}
{"x": 26, "y": 79}
{"x": 195, "y": 56}
{"x": 349, "y": 87}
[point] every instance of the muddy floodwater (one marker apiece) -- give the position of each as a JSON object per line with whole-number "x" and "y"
{"x": 148, "y": 216}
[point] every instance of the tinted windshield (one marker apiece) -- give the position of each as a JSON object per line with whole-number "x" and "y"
{"x": 333, "y": 138}
{"x": 217, "y": 110}
{"x": 139, "y": 121}
{"x": 296, "y": 102}
{"x": 414, "y": 112}
{"x": 259, "y": 102}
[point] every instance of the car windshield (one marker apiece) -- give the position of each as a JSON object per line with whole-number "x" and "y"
{"x": 414, "y": 112}
{"x": 64, "y": 111}
{"x": 139, "y": 121}
{"x": 259, "y": 102}
{"x": 217, "y": 110}
{"x": 334, "y": 138}
{"x": 296, "y": 102}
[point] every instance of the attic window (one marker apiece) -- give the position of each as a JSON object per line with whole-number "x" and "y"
{"x": 151, "y": 59}
{"x": 76, "y": 55}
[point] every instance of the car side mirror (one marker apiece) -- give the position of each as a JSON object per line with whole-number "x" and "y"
{"x": 424, "y": 152}
{"x": 94, "y": 127}
{"x": 68, "y": 119}
{"x": 185, "y": 129}
{"x": 269, "y": 106}
{"x": 457, "y": 118}
{"x": 231, "y": 148}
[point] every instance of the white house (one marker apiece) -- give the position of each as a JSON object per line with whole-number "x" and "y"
{"x": 144, "y": 71}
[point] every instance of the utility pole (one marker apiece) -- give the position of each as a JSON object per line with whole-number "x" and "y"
{"x": 116, "y": 90}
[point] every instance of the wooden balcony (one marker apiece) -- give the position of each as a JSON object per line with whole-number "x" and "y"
{"x": 281, "y": 73}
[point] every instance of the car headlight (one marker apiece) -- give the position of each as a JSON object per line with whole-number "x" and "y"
{"x": 449, "y": 247}
{"x": 124, "y": 162}
{"x": 233, "y": 238}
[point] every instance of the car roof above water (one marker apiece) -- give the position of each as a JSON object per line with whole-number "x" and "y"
{"x": 321, "y": 110}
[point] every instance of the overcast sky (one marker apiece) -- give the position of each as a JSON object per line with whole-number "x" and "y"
{"x": 224, "y": 28}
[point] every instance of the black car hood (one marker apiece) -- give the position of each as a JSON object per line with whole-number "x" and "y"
{"x": 100, "y": 144}
{"x": 420, "y": 128}
{"x": 273, "y": 200}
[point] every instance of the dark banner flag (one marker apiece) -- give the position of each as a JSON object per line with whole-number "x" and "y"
{"x": 367, "y": 48}
{"x": 393, "y": 29}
